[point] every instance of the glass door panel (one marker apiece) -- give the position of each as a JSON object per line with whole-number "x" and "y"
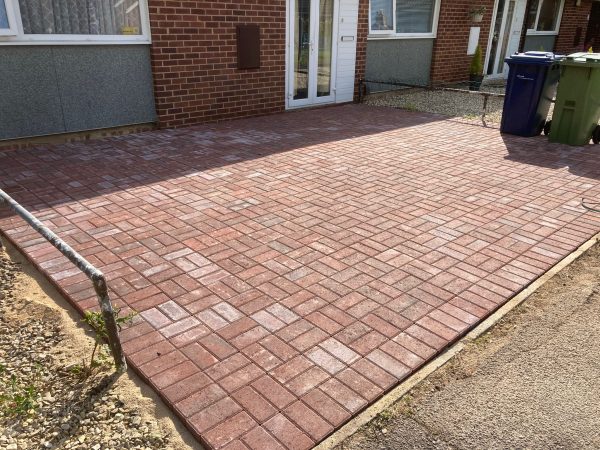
{"x": 325, "y": 48}
{"x": 496, "y": 37}
{"x": 506, "y": 35}
{"x": 302, "y": 48}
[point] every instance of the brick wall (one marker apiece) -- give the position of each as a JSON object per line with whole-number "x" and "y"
{"x": 574, "y": 17}
{"x": 450, "y": 60}
{"x": 194, "y": 60}
{"x": 361, "y": 44}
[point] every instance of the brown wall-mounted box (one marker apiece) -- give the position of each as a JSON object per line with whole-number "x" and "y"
{"x": 248, "y": 46}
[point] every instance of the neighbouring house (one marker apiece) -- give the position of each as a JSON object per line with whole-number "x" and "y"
{"x": 431, "y": 41}
{"x": 76, "y": 65}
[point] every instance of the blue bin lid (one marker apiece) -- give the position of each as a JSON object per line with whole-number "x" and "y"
{"x": 534, "y": 58}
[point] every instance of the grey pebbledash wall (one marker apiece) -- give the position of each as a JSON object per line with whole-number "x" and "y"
{"x": 56, "y": 89}
{"x": 403, "y": 60}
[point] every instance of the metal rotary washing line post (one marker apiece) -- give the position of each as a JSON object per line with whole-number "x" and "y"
{"x": 96, "y": 277}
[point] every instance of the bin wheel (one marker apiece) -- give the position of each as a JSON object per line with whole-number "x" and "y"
{"x": 547, "y": 127}
{"x": 596, "y": 135}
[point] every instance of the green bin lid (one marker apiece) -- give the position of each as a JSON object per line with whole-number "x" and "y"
{"x": 576, "y": 59}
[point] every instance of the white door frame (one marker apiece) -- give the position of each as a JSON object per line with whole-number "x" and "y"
{"x": 312, "y": 99}
{"x": 519, "y": 5}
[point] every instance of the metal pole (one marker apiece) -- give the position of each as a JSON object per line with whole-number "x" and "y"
{"x": 96, "y": 277}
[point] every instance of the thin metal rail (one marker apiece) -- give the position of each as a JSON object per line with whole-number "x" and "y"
{"x": 95, "y": 276}
{"x": 486, "y": 95}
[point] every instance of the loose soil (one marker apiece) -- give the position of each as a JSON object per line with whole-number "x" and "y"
{"x": 45, "y": 401}
{"x": 532, "y": 381}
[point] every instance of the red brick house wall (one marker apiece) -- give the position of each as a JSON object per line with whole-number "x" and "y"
{"x": 574, "y": 17}
{"x": 194, "y": 60}
{"x": 361, "y": 43}
{"x": 450, "y": 60}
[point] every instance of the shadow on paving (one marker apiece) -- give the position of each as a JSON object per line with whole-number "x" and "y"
{"x": 56, "y": 174}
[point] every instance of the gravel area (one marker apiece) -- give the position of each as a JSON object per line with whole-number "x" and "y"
{"x": 449, "y": 103}
{"x": 45, "y": 401}
{"x": 530, "y": 383}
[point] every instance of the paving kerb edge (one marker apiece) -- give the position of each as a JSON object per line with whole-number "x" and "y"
{"x": 430, "y": 368}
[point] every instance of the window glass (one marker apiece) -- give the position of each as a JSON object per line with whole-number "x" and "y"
{"x": 548, "y": 15}
{"x": 414, "y": 16}
{"x": 532, "y": 14}
{"x": 92, "y": 17}
{"x": 382, "y": 15}
{"x": 3, "y": 15}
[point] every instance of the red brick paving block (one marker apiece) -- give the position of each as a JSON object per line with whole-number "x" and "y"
{"x": 448, "y": 320}
{"x": 278, "y": 347}
{"x": 214, "y": 414}
{"x": 273, "y": 391}
{"x": 359, "y": 384}
{"x": 241, "y": 377}
{"x": 338, "y": 315}
{"x": 438, "y": 328}
{"x": 229, "y": 430}
{"x": 381, "y": 325}
{"x": 155, "y": 318}
{"x": 141, "y": 342}
{"x": 389, "y": 364}
{"x": 227, "y": 366}
{"x": 375, "y": 374}
{"x": 254, "y": 403}
{"x": 290, "y": 369}
{"x": 199, "y": 355}
{"x": 403, "y": 355}
{"x": 309, "y": 339}
{"x": 235, "y": 445}
{"x": 151, "y": 352}
{"x": 325, "y": 360}
{"x": 236, "y": 328}
{"x": 260, "y": 439}
{"x": 414, "y": 345}
{"x": 368, "y": 342}
{"x": 173, "y": 310}
{"x": 200, "y": 400}
{"x": 186, "y": 387}
{"x": 327, "y": 407}
{"x": 287, "y": 433}
{"x": 190, "y": 336}
{"x": 161, "y": 363}
{"x": 148, "y": 302}
{"x": 217, "y": 346}
{"x": 323, "y": 322}
{"x": 261, "y": 356}
{"x": 309, "y": 421}
{"x": 174, "y": 375}
{"x": 339, "y": 350}
{"x": 180, "y": 326}
{"x": 249, "y": 337}
{"x": 347, "y": 397}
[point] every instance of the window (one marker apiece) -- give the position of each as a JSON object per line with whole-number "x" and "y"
{"x": 544, "y": 16}
{"x": 7, "y": 21}
{"x": 72, "y": 21}
{"x": 403, "y": 18}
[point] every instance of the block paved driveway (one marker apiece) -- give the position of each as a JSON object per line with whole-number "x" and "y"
{"x": 291, "y": 269}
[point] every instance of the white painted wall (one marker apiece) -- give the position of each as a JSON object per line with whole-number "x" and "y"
{"x": 346, "y": 56}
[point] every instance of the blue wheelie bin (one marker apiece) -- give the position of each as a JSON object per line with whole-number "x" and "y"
{"x": 530, "y": 88}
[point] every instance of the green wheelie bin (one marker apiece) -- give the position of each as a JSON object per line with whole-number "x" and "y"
{"x": 577, "y": 107}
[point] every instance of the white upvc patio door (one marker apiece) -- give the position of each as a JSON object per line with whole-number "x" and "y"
{"x": 312, "y": 52}
{"x": 505, "y": 35}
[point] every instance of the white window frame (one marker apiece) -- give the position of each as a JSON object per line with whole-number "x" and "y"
{"x": 391, "y": 34}
{"x": 533, "y": 31}
{"x": 12, "y": 22}
{"x": 18, "y": 37}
